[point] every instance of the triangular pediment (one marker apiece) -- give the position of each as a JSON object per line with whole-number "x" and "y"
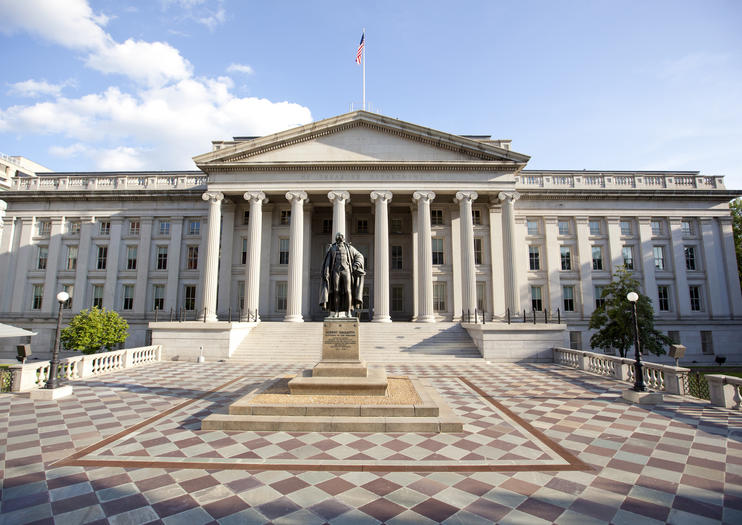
{"x": 357, "y": 137}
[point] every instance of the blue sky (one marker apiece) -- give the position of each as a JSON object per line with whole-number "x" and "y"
{"x": 114, "y": 85}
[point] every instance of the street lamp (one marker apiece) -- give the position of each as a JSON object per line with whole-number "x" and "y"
{"x": 51, "y": 382}
{"x": 633, "y": 297}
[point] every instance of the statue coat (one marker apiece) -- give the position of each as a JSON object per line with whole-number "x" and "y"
{"x": 357, "y": 272}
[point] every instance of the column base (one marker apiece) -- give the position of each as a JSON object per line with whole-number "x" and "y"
{"x": 381, "y": 319}
{"x": 293, "y": 319}
{"x": 425, "y": 319}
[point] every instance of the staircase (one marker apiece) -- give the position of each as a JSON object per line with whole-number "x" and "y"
{"x": 301, "y": 343}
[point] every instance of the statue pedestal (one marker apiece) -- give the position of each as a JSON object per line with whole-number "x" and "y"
{"x": 340, "y": 371}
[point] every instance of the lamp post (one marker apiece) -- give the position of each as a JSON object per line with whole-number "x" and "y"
{"x": 633, "y": 297}
{"x": 51, "y": 383}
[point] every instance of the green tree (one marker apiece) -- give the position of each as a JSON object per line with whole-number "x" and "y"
{"x": 614, "y": 321}
{"x": 94, "y": 330}
{"x": 736, "y": 208}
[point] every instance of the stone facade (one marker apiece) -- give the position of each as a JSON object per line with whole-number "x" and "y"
{"x": 448, "y": 225}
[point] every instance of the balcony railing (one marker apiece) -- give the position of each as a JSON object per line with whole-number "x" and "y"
{"x": 619, "y": 181}
{"x": 108, "y": 183}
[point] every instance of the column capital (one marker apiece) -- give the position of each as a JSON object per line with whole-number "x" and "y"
{"x": 726, "y": 220}
{"x": 644, "y": 220}
{"x": 300, "y": 196}
{"x": 3, "y": 206}
{"x": 612, "y": 219}
{"x": 213, "y": 196}
{"x": 551, "y": 219}
{"x": 508, "y": 196}
{"x": 426, "y": 196}
{"x": 466, "y": 195}
{"x": 338, "y": 195}
{"x": 257, "y": 196}
{"x": 381, "y": 195}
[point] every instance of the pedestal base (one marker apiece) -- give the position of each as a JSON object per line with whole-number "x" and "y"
{"x": 642, "y": 398}
{"x": 374, "y": 383}
{"x": 50, "y": 394}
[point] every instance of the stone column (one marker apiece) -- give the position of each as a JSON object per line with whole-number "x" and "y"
{"x": 112, "y": 264}
{"x": 3, "y": 207}
{"x": 714, "y": 270}
{"x": 496, "y": 256}
{"x": 20, "y": 300}
{"x": 614, "y": 244}
{"x": 512, "y": 299}
{"x": 224, "y": 295}
{"x": 87, "y": 224}
{"x": 211, "y": 271}
{"x": 678, "y": 265}
{"x": 296, "y": 256}
{"x": 8, "y": 252}
{"x": 553, "y": 263}
{"x": 646, "y": 256}
{"x": 730, "y": 260}
{"x": 338, "y": 199}
{"x": 143, "y": 248}
{"x": 585, "y": 265}
{"x": 425, "y": 312}
{"x": 381, "y": 256}
{"x": 252, "y": 268}
{"x": 49, "y": 302}
{"x": 173, "y": 265}
{"x": 468, "y": 269}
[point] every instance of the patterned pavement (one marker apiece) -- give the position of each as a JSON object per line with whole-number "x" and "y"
{"x": 542, "y": 444}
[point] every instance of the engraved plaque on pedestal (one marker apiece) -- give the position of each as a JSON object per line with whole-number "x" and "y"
{"x": 340, "y": 340}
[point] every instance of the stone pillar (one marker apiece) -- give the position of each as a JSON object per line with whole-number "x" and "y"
{"x": 585, "y": 265}
{"x": 647, "y": 260}
{"x": 512, "y": 298}
{"x": 415, "y": 262}
{"x": 87, "y": 224}
{"x": 296, "y": 256}
{"x": 714, "y": 270}
{"x": 425, "y": 312}
{"x": 3, "y": 207}
{"x": 381, "y": 256}
{"x": 223, "y": 297}
{"x": 252, "y": 268}
{"x": 553, "y": 263}
{"x": 8, "y": 252}
{"x": 338, "y": 199}
{"x": 211, "y": 271}
{"x": 112, "y": 264}
{"x": 730, "y": 260}
{"x": 49, "y": 302}
{"x": 678, "y": 265}
{"x": 306, "y": 293}
{"x": 468, "y": 269}
{"x": 20, "y": 300}
{"x": 140, "y": 288}
{"x": 614, "y": 244}
{"x": 173, "y": 265}
{"x": 498, "y": 263}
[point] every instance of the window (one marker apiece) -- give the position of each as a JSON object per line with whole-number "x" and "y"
{"x": 133, "y": 226}
{"x": 164, "y": 227}
{"x": 246, "y": 217}
{"x": 71, "y": 262}
{"x": 599, "y": 299}
{"x": 656, "y": 227}
{"x": 563, "y": 227}
{"x": 285, "y": 217}
{"x": 131, "y": 257}
{"x": 101, "y": 258}
{"x": 396, "y": 225}
{"x": 436, "y": 217}
{"x": 663, "y": 297}
{"x": 628, "y": 257}
{"x": 243, "y": 258}
{"x": 104, "y": 227}
{"x": 283, "y": 251}
{"x": 686, "y": 227}
{"x": 534, "y": 259}
{"x": 437, "y": 251}
{"x": 128, "y": 294}
{"x": 695, "y": 298}
{"x": 575, "y": 340}
{"x": 70, "y": 289}
{"x": 532, "y": 226}
{"x": 397, "y": 299}
{"x": 189, "y": 297}
{"x": 536, "y": 302}
{"x": 566, "y": 255}
{"x": 594, "y": 226}
{"x": 362, "y": 226}
{"x": 626, "y": 228}
{"x": 707, "y": 342}
{"x": 477, "y": 250}
{"x": 162, "y": 257}
{"x": 194, "y": 227}
{"x": 674, "y": 336}
{"x": 45, "y": 228}
{"x": 480, "y": 297}
{"x": 281, "y": 289}
{"x": 597, "y": 258}
{"x": 158, "y": 297}
{"x": 73, "y": 227}
{"x": 659, "y": 257}
{"x": 241, "y": 295}
{"x": 192, "y": 259}
{"x": 38, "y": 295}
{"x": 396, "y": 257}
{"x": 42, "y": 256}
{"x": 476, "y": 217}
{"x": 98, "y": 296}
{"x": 327, "y": 226}
{"x": 690, "y": 258}
{"x": 568, "y": 293}
{"x": 439, "y": 297}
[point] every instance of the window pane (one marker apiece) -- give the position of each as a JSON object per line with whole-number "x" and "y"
{"x": 283, "y": 251}
{"x": 437, "y": 245}
{"x": 439, "y": 297}
{"x": 597, "y": 258}
{"x": 566, "y": 257}
{"x": 534, "y": 260}
{"x": 477, "y": 250}
{"x": 628, "y": 257}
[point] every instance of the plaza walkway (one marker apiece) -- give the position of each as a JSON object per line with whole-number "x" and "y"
{"x": 542, "y": 444}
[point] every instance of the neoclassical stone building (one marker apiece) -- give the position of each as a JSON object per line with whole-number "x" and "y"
{"x": 448, "y": 224}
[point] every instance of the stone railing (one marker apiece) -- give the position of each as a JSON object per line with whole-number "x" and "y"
{"x": 662, "y": 378}
{"x": 619, "y": 181}
{"x": 109, "y": 183}
{"x": 725, "y": 391}
{"x": 34, "y": 375}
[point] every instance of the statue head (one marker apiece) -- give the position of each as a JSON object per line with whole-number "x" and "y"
{"x": 339, "y": 237}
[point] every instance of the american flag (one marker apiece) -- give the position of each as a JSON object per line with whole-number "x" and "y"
{"x": 359, "y": 53}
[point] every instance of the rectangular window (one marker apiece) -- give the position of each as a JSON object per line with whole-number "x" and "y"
{"x": 690, "y": 258}
{"x": 71, "y": 262}
{"x": 477, "y": 250}
{"x": 131, "y": 257}
{"x": 189, "y": 297}
{"x": 327, "y": 226}
{"x": 283, "y": 251}
{"x": 42, "y": 256}
{"x": 566, "y": 255}
{"x": 659, "y": 257}
{"x": 134, "y": 227}
{"x": 162, "y": 257}
{"x": 395, "y": 225}
{"x": 536, "y": 301}
{"x": 707, "y": 342}
{"x": 192, "y": 259}
{"x": 281, "y": 291}
{"x": 397, "y": 299}
{"x": 70, "y": 289}
{"x": 164, "y": 227}
{"x": 158, "y": 297}
{"x": 628, "y": 257}
{"x": 594, "y": 226}
{"x": 128, "y": 294}
{"x": 626, "y": 228}
{"x": 568, "y": 293}
{"x": 97, "y": 296}
{"x": 599, "y": 299}
{"x": 656, "y": 227}
{"x": 362, "y": 226}
{"x": 534, "y": 258}
{"x": 38, "y": 294}
{"x": 101, "y": 258}
{"x": 532, "y": 226}
{"x": 563, "y": 227}
{"x": 45, "y": 228}
{"x": 246, "y": 217}
{"x": 243, "y": 257}
{"x": 575, "y": 340}
{"x": 437, "y": 251}
{"x": 480, "y": 297}
{"x": 396, "y": 257}
{"x": 104, "y": 227}
{"x": 663, "y": 297}
{"x": 674, "y": 336}
{"x": 597, "y": 258}
{"x": 476, "y": 217}
{"x": 73, "y": 227}
{"x": 695, "y": 298}
{"x": 194, "y": 227}
{"x": 686, "y": 227}
{"x": 439, "y": 297}
{"x": 436, "y": 217}
{"x": 285, "y": 217}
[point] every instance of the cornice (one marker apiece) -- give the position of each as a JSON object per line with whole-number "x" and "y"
{"x": 607, "y": 194}
{"x": 506, "y": 167}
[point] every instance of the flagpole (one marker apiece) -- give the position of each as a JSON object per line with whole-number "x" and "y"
{"x": 364, "y": 69}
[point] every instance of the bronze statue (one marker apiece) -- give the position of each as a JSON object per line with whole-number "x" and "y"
{"x": 342, "y": 275}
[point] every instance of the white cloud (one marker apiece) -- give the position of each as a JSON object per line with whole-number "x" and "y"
{"x": 37, "y": 88}
{"x": 240, "y": 68}
{"x": 214, "y": 19}
{"x": 68, "y": 152}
